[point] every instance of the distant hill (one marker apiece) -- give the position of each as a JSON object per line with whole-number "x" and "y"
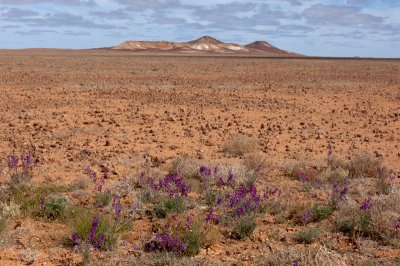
{"x": 204, "y": 45}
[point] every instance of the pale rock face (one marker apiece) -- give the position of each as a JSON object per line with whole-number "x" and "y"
{"x": 205, "y": 44}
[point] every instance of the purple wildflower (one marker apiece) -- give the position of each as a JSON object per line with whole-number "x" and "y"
{"x": 189, "y": 220}
{"x": 13, "y": 161}
{"x": 338, "y": 193}
{"x": 330, "y": 152}
{"x": 391, "y": 176}
{"x": 75, "y": 238}
{"x": 219, "y": 201}
{"x": 221, "y": 181}
{"x": 216, "y": 169}
{"x": 93, "y": 229}
{"x": 211, "y": 218}
{"x": 28, "y": 161}
{"x": 307, "y": 216}
{"x": 41, "y": 202}
{"x": 296, "y": 262}
{"x": 117, "y": 207}
{"x": 204, "y": 170}
{"x": 397, "y": 225}
{"x": 90, "y": 173}
{"x": 100, "y": 242}
{"x": 304, "y": 177}
{"x": 366, "y": 205}
{"x": 230, "y": 177}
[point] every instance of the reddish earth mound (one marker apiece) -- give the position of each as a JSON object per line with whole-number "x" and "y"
{"x": 205, "y": 44}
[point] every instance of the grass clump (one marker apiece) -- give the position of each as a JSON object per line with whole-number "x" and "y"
{"x": 33, "y": 199}
{"x": 364, "y": 165}
{"x": 211, "y": 196}
{"x": 170, "y": 205}
{"x": 244, "y": 227}
{"x": 11, "y": 210}
{"x": 258, "y": 163}
{"x": 100, "y": 232}
{"x": 321, "y": 212}
{"x": 3, "y": 224}
{"x": 379, "y": 219}
{"x": 54, "y": 208}
{"x": 308, "y": 236}
{"x": 186, "y": 166}
{"x": 238, "y": 145}
{"x": 181, "y": 235}
{"x": 103, "y": 199}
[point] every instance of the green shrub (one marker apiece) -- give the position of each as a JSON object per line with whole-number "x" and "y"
{"x": 81, "y": 221}
{"x": 55, "y": 207}
{"x": 103, "y": 199}
{"x": 194, "y": 240}
{"x": 244, "y": 226}
{"x": 29, "y": 198}
{"x": 360, "y": 224}
{"x": 170, "y": 205}
{"x": 211, "y": 196}
{"x": 3, "y": 224}
{"x": 308, "y": 236}
{"x": 321, "y": 212}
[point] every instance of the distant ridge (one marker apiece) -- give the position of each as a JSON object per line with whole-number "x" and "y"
{"x": 204, "y": 45}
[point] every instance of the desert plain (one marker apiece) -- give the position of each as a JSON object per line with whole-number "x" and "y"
{"x": 146, "y": 113}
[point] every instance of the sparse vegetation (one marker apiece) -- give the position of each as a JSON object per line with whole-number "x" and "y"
{"x": 54, "y": 207}
{"x": 163, "y": 189}
{"x": 103, "y": 199}
{"x": 308, "y": 236}
{"x": 170, "y": 205}
{"x": 238, "y": 145}
{"x": 244, "y": 226}
{"x": 364, "y": 165}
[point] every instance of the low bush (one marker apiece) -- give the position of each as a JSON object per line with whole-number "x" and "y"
{"x": 32, "y": 199}
{"x": 258, "y": 163}
{"x": 321, "y": 212}
{"x": 376, "y": 217}
{"x": 364, "y": 165}
{"x": 186, "y": 166}
{"x": 103, "y": 199}
{"x": 54, "y": 208}
{"x": 96, "y": 231}
{"x": 238, "y": 145}
{"x": 11, "y": 210}
{"x": 181, "y": 235}
{"x": 3, "y": 224}
{"x": 170, "y": 205}
{"x": 308, "y": 236}
{"x": 244, "y": 226}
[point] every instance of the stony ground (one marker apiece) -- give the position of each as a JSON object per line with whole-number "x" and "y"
{"x": 136, "y": 113}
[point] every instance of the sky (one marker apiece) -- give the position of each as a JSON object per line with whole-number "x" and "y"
{"x": 367, "y": 28}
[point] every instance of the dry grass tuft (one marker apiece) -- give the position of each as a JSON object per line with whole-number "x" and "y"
{"x": 364, "y": 165}
{"x": 238, "y": 145}
{"x": 186, "y": 166}
{"x": 321, "y": 256}
{"x": 378, "y": 222}
{"x": 257, "y": 162}
{"x": 384, "y": 213}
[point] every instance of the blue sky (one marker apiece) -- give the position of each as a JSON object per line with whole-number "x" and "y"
{"x": 311, "y": 27}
